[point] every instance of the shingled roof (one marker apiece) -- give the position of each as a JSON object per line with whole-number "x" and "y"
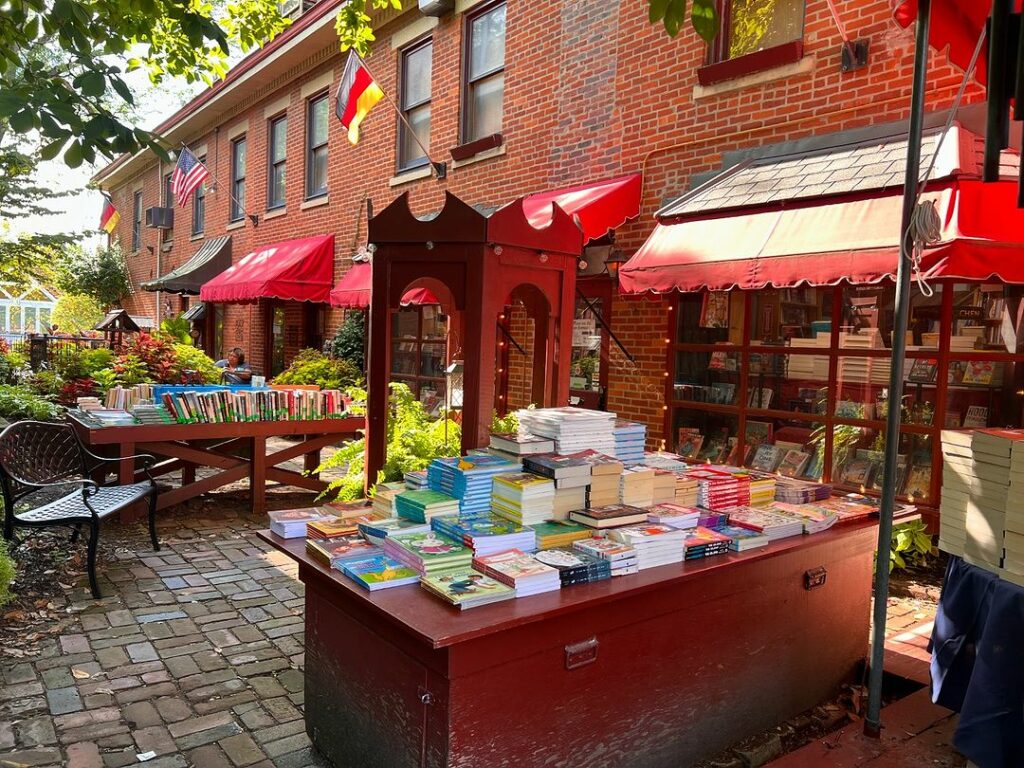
{"x": 845, "y": 168}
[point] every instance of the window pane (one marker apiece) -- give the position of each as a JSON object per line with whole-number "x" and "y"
{"x": 758, "y": 24}
{"x": 711, "y": 317}
{"x": 405, "y": 323}
{"x": 486, "y": 106}
{"x": 488, "y": 43}
{"x": 239, "y": 164}
{"x": 277, "y": 185}
{"x": 991, "y": 314}
{"x": 318, "y": 122}
{"x": 419, "y": 118}
{"x": 278, "y": 139}
{"x": 435, "y": 322}
{"x": 416, "y": 79}
{"x": 238, "y": 199}
{"x": 804, "y": 314}
{"x": 318, "y": 180}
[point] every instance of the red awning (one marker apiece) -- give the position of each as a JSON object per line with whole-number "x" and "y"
{"x": 956, "y": 24}
{"x": 295, "y": 270}
{"x": 831, "y": 241}
{"x": 353, "y": 291}
{"x": 599, "y": 207}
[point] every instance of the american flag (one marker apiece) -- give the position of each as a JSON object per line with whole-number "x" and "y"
{"x": 188, "y": 174}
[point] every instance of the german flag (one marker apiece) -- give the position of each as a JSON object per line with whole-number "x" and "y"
{"x": 109, "y": 217}
{"x": 357, "y": 95}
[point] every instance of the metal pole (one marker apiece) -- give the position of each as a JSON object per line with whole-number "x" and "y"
{"x": 872, "y": 721}
{"x": 603, "y": 324}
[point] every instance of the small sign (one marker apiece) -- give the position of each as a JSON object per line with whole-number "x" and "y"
{"x": 584, "y": 331}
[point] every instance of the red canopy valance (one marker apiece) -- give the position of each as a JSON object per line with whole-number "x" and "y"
{"x": 599, "y": 207}
{"x": 832, "y": 240}
{"x": 295, "y": 270}
{"x": 353, "y": 290}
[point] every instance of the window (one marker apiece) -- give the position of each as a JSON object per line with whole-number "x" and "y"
{"x": 199, "y": 206}
{"x": 137, "y": 220}
{"x": 276, "y": 152}
{"x": 316, "y": 147}
{"x": 167, "y": 235}
{"x": 756, "y": 35}
{"x": 485, "y": 74}
{"x": 414, "y": 95}
{"x": 237, "y": 179}
{"x": 419, "y": 353}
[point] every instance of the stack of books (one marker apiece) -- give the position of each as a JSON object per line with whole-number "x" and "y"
{"x": 517, "y": 444}
{"x": 523, "y": 498}
{"x": 568, "y": 500}
{"x": 147, "y": 413}
{"x": 88, "y": 403}
{"x": 709, "y": 519}
{"x": 673, "y": 462}
{"x": 687, "y": 490}
{"x": 809, "y": 367}
{"x": 762, "y": 488}
{"x": 1013, "y": 538}
{"x": 123, "y": 398}
{"x": 526, "y": 574}
{"x": 978, "y": 505}
{"x": 384, "y": 495}
{"x": 664, "y": 486}
{"x": 814, "y": 519}
{"x": 655, "y": 544}
{"x": 350, "y": 510}
{"x": 291, "y": 523}
{"x": 378, "y": 572}
{"x": 558, "y": 534}
{"x": 468, "y": 479}
{"x": 621, "y": 557}
{"x": 575, "y": 567}
{"x": 637, "y": 486}
{"x": 336, "y": 549}
{"x": 705, "y": 542}
{"x": 604, "y": 477}
{"x": 427, "y": 552}
{"x": 375, "y": 530}
{"x": 416, "y": 480}
{"x": 610, "y": 516}
{"x": 565, "y": 471}
{"x": 719, "y": 489}
{"x": 630, "y": 437}
{"x": 572, "y": 429}
{"x": 794, "y": 491}
{"x": 486, "y": 535}
{"x": 774, "y": 525}
{"x": 330, "y": 527}
{"x": 742, "y": 539}
{"x": 674, "y": 515}
{"x": 466, "y": 588}
{"x": 420, "y": 506}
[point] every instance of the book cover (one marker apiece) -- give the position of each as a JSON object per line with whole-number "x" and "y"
{"x": 979, "y": 372}
{"x": 766, "y": 457}
{"x": 857, "y": 472}
{"x": 378, "y": 571}
{"x": 430, "y": 547}
{"x": 976, "y": 416}
{"x": 794, "y": 463}
{"x": 714, "y": 311}
{"x": 515, "y": 564}
{"x": 689, "y": 445}
{"x": 466, "y": 585}
{"x": 924, "y": 371}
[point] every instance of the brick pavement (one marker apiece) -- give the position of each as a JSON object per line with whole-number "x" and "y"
{"x": 194, "y": 654}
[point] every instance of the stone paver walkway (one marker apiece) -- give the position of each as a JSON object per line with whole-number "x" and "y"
{"x": 193, "y": 658}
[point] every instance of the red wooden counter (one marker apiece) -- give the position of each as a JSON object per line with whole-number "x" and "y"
{"x": 236, "y": 449}
{"x": 655, "y": 669}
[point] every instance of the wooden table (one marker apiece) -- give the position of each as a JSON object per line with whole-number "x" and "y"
{"x": 660, "y": 668}
{"x": 236, "y": 449}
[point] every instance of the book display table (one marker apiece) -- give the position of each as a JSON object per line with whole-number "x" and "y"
{"x": 659, "y": 668}
{"x": 236, "y": 449}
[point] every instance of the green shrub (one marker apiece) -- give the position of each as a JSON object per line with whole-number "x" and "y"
{"x": 45, "y": 383}
{"x": 129, "y": 369}
{"x": 911, "y": 545}
{"x": 413, "y": 440}
{"x": 7, "y": 573}
{"x": 190, "y": 358}
{"x": 75, "y": 313}
{"x": 349, "y": 342}
{"x": 94, "y": 360}
{"x": 18, "y": 402}
{"x": 176, "y": 330}
{"x": 81, "y": 362}
{"x": 312, "y": 367}
{"x": 504, "y": 424}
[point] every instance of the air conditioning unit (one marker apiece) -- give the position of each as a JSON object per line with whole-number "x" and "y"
{"x": 436, "y": 7}
{"x": 160, "y": 218}
{"x": 290, "y": 9}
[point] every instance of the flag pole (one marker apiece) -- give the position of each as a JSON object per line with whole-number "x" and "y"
{"x": 440, "y": 169}
{"x": 253, "y": 217}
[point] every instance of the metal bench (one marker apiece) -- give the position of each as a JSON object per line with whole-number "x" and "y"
{"x": 36, "y": 456}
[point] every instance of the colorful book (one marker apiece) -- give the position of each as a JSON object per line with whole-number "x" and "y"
{"x": 466, "y": 588}
{"x": 610, "y": 516}
{"x": 378, "y": 572}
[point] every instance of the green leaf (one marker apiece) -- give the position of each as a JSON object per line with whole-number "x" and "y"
{"x": 704, "y": 19}
{"x": 675, "y": 14}
{"x": 73, "y": 155}
{"x": 656, "y": 10}
{"x": 92, "y": 83}
{"x": 52, "y": 149}
{"x": 22, "y": 121}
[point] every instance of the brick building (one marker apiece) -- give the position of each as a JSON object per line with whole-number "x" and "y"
{"x": 578, "y": 90}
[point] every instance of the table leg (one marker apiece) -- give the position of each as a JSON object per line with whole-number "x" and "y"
{"x": 311, "y": 460}
{"x": 126, "y": 476}
{"x": 188, "y": 473}
{"x": 258, "y": 475}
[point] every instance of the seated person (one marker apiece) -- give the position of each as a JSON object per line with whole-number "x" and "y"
{"x": 236, "y": 370}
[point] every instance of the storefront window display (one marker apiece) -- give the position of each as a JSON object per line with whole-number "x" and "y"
{"x": 419, "y": 353}
{"x": 807, "y": 370}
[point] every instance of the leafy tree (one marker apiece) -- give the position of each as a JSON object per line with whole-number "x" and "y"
{"x": 354, "y": 28}
{"x": 349, "y": 343}
{"x": 103, "y": 275}
{"x": 76, "y": 96}
{"x": 75, "y": 312}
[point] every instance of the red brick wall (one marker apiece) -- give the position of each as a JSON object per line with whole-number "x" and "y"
{"x": 520, "y": 379}
{"x": 591, "y": 90}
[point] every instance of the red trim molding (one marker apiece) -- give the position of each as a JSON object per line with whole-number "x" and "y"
{"x": 787, "y": 53}
{"x": 472, "y": 148}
